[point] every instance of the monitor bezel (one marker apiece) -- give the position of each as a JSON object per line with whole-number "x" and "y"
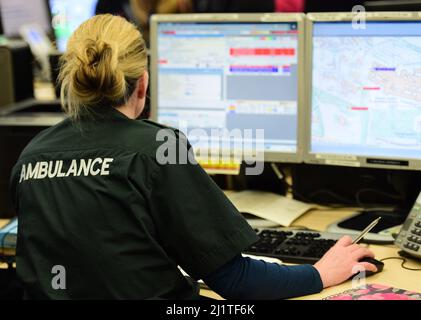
{"x": 348, "y": 160}
{"x": 299, "y": 18}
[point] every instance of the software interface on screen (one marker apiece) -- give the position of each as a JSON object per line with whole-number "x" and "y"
{"x": 67, "y": 16}
{"x": 17, "y": 13}
{"x": 230, "y": 76}
{"x": 366, "y": 97}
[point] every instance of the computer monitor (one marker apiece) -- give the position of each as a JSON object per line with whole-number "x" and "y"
{"x": 67, "y": 16}
{"x": 234, "y": 72}
{"x": 17, "y": 13}
{"x": 364, "y": 98}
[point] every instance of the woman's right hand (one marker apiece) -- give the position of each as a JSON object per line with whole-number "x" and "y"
{"x": 342, "y": 261}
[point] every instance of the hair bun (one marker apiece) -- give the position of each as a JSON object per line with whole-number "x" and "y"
{"x": 105, "y": 58}
{"x": 97, "y": 51}
{"x": 97, "y": 71}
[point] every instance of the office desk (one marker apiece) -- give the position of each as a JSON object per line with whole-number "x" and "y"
{"x": 392, "y": 275}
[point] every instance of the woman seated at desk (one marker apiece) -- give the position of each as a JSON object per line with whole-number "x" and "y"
{"x": 95, "y": 201}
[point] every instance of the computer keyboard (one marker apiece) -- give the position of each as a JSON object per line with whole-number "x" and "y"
{"x": 293, "y": 246}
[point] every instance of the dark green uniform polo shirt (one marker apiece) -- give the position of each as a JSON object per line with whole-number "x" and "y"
{"x": 94, "y": 200}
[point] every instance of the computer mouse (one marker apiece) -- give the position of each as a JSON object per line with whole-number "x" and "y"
{"x": 377, "y": 263}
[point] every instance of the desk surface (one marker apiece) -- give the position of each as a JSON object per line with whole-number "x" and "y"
{"x": 392, "y": 274}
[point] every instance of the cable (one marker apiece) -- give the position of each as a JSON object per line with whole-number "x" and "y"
{"x": 404, "y": 261}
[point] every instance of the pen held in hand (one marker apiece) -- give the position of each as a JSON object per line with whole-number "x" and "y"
{"x": 366, "y": 230}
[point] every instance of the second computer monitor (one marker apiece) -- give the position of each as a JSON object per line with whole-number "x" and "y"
{"x": 235, "y": 72}
{"x": 364, "y": 98}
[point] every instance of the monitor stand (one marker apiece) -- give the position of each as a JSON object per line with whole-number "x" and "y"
{"x": 361, "y": 219}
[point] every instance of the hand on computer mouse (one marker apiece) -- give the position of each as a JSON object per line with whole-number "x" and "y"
{"x": 342, "y": 261}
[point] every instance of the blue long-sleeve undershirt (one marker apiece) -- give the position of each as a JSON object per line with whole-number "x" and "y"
{"x": 247, "y": 279}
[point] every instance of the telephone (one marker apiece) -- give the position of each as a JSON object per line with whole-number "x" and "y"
{"x": 409, "y": 238}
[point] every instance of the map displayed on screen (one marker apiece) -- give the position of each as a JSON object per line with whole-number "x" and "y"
{"x": 366, "y": 92}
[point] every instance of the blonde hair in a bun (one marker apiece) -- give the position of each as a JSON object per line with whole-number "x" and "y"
{"x": 105, "y": 58}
